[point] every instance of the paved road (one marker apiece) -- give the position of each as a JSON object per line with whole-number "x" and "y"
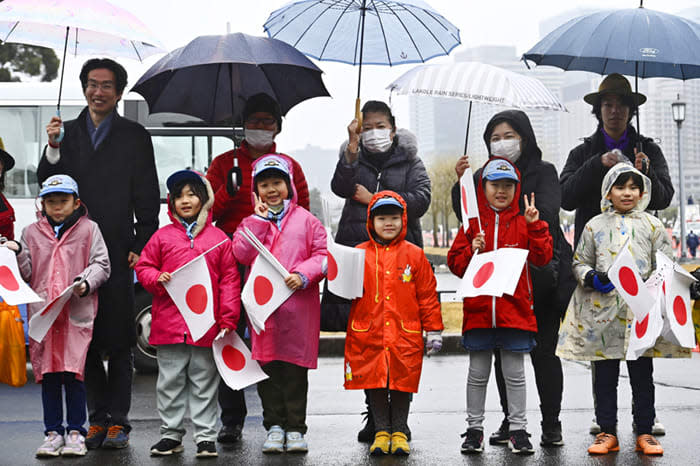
{"x": 437, "y": 419}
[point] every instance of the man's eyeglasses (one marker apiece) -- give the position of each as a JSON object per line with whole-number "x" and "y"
{"x": 105, "y": 85}
{"x": 263, "y": 121}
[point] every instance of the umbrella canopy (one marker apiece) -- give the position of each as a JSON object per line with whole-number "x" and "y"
{"x": 635, "y": 41}
{"x": 96, "y": 27}
{"x": 375, "y": 32}
{"x": 477, "y": 82}
{"x": 212, "y": 76}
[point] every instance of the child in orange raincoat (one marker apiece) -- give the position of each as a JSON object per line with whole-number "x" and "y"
{"x": 384, "y": 343}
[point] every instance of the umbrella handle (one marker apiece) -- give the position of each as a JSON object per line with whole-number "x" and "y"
{"x": 62, "y": 133}
{"x": 358, "y": 116}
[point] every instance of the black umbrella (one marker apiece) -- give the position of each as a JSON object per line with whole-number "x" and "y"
{"x": 212, "y": 76}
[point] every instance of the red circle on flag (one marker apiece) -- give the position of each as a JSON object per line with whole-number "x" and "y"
{"x": 233, "y": 358}
{"x": 628, "y": 281}
{"x": 663, "y": 287}
{"x": 679, "y": 310}
{"x": 262, "y": 290}
{"x": 464, "y": 201}
{"x": 483, "y": 274}
{"x": 332, "y": 267}
{"x": 7, "y": 279}
{"x": 641, "y": 327}
{"x": 196, "y": 299}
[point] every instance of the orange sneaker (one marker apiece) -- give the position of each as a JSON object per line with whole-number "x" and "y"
{"x": 648, "y": 445}
{"x": 604, "y": 444}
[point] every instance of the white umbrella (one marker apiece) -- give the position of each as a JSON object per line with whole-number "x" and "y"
{"x": 477, "y": 82}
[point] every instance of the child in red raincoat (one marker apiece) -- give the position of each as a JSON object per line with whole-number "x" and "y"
{"x": 505, "y": 323}
{"x": 384, "y": 343}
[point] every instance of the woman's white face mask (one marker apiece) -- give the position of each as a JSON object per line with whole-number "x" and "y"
{"x": 506, "y": 148}
{"x": 259, "y": 139}
{"x": 377, "y": 140}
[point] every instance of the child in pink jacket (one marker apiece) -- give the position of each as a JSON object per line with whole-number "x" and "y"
{"x": 288, "y": 347}
{"x": 63, "y": 247}
{"x": 187, "y": 373}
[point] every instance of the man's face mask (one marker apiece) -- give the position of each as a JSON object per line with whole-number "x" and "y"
{"x": 259, "y": 139}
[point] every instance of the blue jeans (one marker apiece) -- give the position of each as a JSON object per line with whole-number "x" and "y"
{"x": 52, "y": 400}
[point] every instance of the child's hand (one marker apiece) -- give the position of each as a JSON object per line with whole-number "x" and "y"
{"x": 433, "y": 342}
{"x": 11, "y": 245}
{"x": 80, "y": 289}
{"x": 479, "y": 242}
{"x": 222, "y": 333}
{"x": 531, "y": 212}
{"x": 293, "y": 282}
{"x": 164, "y": 277}
{"x": 260, "y": 207}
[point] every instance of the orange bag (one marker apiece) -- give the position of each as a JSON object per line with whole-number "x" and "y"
{"x": 13, "y": 357}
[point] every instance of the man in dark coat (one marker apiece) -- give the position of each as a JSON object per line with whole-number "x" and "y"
{"x": 552, "y": 284}
{"x": 615, "y": 140}
{"x": 111, "y": 158}
{"x": 692, "y": 243}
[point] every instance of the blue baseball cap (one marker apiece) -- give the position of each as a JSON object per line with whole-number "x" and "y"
{"x": 499, "y": 169}
{"x": 386, "y": 201}
{"x": 59, "y": 184}
{"x": 183, "y": 175}
{"x": 271, "y": 162}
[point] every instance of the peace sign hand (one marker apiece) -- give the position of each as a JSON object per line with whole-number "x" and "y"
{"x": 260, "y": 207}
{"x": 531, "y": 212}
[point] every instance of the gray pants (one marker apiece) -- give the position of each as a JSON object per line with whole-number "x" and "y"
{"x": 187, "y": 375}
{"x": 478, "y": 379}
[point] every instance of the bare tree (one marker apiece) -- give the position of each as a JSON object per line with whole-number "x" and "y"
{"x": 442, "y": 177}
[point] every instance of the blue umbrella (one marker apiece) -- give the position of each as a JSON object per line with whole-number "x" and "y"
{"x": 212, "y": 76}
{"x": 637, "y": 42}
{"x": 375, "y": 32}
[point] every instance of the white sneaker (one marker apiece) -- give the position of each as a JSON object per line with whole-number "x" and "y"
{"x": 658, "y": 428}
{"x": 75, "y": 444}
{"x": 296, "y": 442}
{"x": 275, "y": 440}
{"x": 595, "y": 428}
{"x": 53, "y": 443}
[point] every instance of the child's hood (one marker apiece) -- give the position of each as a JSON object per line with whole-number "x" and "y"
{"x": 610, "y": 178}
{"x": 204, "y": 216}
{"x": 290, "y": 168}
{"x": 404, "y": 217}
{"x": 481, "y": 194}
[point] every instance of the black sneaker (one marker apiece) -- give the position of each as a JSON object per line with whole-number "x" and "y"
{"x": 501, "y": 436}
{"x": 366, "y": 435}
{"x": 551, "y": 435}
{"x": 519, "y": 443}
{"x": 166, "y": 447}
{"x": 206, "y": 449}
{"x": 474, "y": 441}
{"x": 230, "y": 434}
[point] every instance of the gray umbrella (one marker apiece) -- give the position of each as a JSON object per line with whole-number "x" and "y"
{"x": 212, "y": 76}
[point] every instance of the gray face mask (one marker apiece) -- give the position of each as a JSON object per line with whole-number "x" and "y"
{"x": 259, "y": 139}
{"x": 506, "y": 148}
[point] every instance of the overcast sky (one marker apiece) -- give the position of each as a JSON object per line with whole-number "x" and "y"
{"x": 322, "y": 121}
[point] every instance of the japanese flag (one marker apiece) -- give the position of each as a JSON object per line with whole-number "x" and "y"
{"x": 493, "y": 273}
{"x": 678, "y": 326}
{"x": 12, "y": 288}
{"x": 41, "y": 322}
{"x": 646, "y": 330}
{"x": 346, "y": 270}
{"x": 234, "y": 362}
{"x": 191, "y": 291}
{"x": 470, "y": 208}
{"x": 264, "y": 292}
{"x": 629, "y": 284}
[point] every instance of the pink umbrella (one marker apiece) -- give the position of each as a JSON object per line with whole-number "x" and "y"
{"x": 88, "y": 27}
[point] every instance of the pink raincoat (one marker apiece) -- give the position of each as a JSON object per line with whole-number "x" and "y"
{"x": 169, "y": 249}
{"x": 50, "y": 265}
{"x": 292, "y": 331}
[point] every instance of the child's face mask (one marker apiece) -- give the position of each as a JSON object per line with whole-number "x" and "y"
{"x": 499, "y": 193}
{"x": 188, "y": 204}
{"x": 626, "y": 197}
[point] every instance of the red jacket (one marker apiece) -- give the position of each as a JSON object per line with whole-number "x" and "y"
{"x": 7, "y": 219}
{"x": 229, "y": 211}
{"x": 506, "y": 228}
{"x": 384, "y": 342}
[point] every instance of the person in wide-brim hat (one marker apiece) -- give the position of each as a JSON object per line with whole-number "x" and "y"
{"x": 615, "y": 84}
{"x": 7, "y": 160}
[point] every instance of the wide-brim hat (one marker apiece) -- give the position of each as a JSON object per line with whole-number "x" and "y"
{"x": 616, "y": 84}
{"x": 7, "y": 160}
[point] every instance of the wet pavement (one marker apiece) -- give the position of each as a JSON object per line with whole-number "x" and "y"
{"x": 436, "y": 419}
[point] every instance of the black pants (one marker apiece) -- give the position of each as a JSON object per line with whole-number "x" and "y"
{"x": 641, "y": 374}
{"x": 548, "y": 372}
{"x": 389, "y": 409}
{"x": 283, "y": 396}
{"x": 109, "y": 394}
{"x": 232, "y": 402}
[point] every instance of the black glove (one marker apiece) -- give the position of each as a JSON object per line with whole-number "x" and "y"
{"x": 695, "y": 286}
{"x": 233, "y": 181}
{"x": 599, "y": 281}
